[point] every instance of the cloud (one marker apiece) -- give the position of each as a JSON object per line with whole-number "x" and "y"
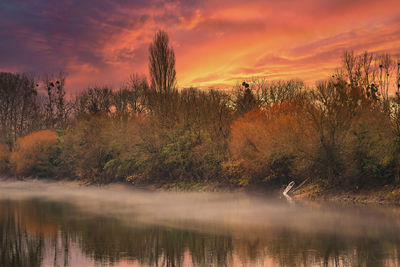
{"x": 216, "y": 41}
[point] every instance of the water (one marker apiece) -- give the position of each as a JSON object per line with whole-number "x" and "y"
{"x": 46, "y": 224}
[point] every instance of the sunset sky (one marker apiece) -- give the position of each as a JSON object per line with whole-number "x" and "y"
{"x": 216, "y": 42}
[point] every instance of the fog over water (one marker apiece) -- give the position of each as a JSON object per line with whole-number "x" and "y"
{"x": 225, "y": 208}
{"x": 256, "y": 226}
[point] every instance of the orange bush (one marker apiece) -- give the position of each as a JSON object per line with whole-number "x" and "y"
{"x": 34, "y": 154}
{"x": 4, "y": 156}
{"x": 269, "y": 142}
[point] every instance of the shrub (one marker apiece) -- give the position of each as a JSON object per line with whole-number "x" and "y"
{"x": 87, "y": 147}
{"x": 4, "y": 157}
{"x": 275, "y": 144}
{"x": 35, "y": 154}
{"x": 368, "y": 150}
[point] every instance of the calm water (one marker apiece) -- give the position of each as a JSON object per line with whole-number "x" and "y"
{"x": 63, "y": 225}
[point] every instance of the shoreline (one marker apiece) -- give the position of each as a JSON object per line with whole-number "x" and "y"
{"x": 385, "y": 195}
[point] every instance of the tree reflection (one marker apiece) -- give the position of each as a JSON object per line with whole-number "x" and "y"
{"x": 17, "y": 246}
{"x": 35, "y": 231}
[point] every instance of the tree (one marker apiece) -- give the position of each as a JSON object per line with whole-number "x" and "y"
{"x": 57, "y": 109}
{"x": 162, "y": 63}
{"x": 395, "y": 119}
{"x": 97, "y": 100}
{"x": 129, "y": 100}
{"x": 245, "y": 100}
{"x": 19, "y": 110}
{"x": 335, "y": 104}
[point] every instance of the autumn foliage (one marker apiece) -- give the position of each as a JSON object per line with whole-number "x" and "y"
{"x": 271, "y": 143}
{"x": 343, "y": 131}
{"x": 4, "y": 157}
{"x": 35, "y": 154}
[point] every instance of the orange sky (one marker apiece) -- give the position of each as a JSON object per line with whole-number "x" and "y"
{"x": 217, "y": 43}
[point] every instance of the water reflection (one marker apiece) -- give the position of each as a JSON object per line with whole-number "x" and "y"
{"x": 37, "y": 232}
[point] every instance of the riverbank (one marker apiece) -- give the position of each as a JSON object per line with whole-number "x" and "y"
{"x": 388, "y": 194}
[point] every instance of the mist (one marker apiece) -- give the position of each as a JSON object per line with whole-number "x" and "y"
{"x": 225, "y": 212}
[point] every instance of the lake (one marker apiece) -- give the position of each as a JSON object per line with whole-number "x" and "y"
{"x": 62, "y": 224}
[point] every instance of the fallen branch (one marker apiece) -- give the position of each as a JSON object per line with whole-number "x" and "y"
{"x": 287, "y": 189}
{"x": 301, "y": 184}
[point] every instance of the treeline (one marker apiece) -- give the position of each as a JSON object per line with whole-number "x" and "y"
{"x": 42, "y": 227}
{"x": 343, "y": 131}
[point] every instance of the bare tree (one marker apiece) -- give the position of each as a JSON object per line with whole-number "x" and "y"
{"x": 269, "y": 92}
{"x": 358, "y": 68}
{"x": 19, "y": 110}
{"x": 130, "y": 99}
{"x": 57, "y": 108}
{"x": 245, "y": 100}
{"x": 365, "y": 60}
{"x": 372, "y": 72}
{"x": 395, "y": 119}
{"x": 335, "y": 104}
{"x": 386, "y": 70}
{"x": 351, "y": 66}
{"x": 398, "y": 78}
{"x": 94, "y": 101}
{"x": 162, "y": 63}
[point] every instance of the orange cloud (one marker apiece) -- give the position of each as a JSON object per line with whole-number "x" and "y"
{"x": 217, "y": 42}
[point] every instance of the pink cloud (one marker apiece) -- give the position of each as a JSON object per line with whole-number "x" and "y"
{"x": 216, "y": 42}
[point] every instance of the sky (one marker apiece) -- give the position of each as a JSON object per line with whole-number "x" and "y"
{"x": 217, "y": 43}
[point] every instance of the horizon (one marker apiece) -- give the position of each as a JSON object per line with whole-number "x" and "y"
{"x": 216, "y": 43}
